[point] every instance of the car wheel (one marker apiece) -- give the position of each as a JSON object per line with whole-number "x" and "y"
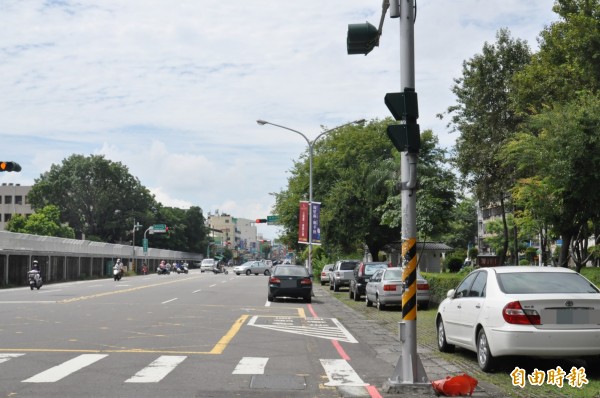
{"x": 423, "y": 306}
{"x": 356, "y": 296}
{"x": 308, "y": 299}
{"x": 484, "y": 355}
{"x": 369, "y": 302}
{"x": 380, "y": 305}
{"x": 237, "y": 273}
{"x": 330, "y": 286}
{"x": 248, "y": 272}
{"x": 443, "y": 345}
{"x": 322, "y": 283}
{"x": 267, "y": 273}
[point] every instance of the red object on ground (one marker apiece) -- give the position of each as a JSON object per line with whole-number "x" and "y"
{"x": 455, "y": 386}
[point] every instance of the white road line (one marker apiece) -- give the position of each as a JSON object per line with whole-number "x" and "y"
{"x": 251, "y": 366}
{"x": 8, "y": 357}
{"x": 340, "y": 373}
{"x": 268, "y": 304}
{"x": 168, "y": 301}
{"x": 196, "y": 291}
{"x": 213, "y": 285}
{"x": 157, "y": 370}
{"x": 64, "y": 369}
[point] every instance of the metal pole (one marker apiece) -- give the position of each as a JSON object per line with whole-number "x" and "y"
{"x": 409, "y": 370}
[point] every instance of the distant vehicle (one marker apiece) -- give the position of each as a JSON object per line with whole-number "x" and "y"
{"x": 384, "y": 288}
{"x": 292, "y": 282}
{"x": 521, "y": 310}
{"x": 343, "y": 272}
{"x": 362, "y": 274}
{"x": 252, "y": 267}
{"x": 326, "y": 274}
{"x": 269, "y": 263}
{"x": 207, "y": 264}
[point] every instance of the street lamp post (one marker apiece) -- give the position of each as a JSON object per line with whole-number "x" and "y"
{"x": 136, "y": 225}
{"x": 310, "y": 173}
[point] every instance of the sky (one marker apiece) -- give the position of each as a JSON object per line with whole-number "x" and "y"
{"x": 173, "y": 89}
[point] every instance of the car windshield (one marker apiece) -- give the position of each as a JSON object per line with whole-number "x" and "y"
{"x": 371, "y": 268}
{"x": 544, "y": 282}
{"x": 347, "y": 266}
{"x": 291, "y": 271}
{"x": 393, "y": 274}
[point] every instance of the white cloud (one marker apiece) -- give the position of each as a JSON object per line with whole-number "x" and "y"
{"x": 173, "y": 89}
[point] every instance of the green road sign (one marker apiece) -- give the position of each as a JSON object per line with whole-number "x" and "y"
{"x": 159, "y": 228}
{"x": 145, "y": 243}
{"x": 272, "y": 219}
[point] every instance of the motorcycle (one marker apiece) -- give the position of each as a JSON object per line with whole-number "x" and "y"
{"x": 117, "y": 273}
{"x": 35, "y": 279}
{"x": 162, "y": 271}
{"x": 181, "y": 269}
{"x": 217, "y": 270}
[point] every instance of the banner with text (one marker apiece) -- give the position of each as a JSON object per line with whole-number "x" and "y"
{"x": 316, "y": 223}
{"x": 303, "y": 223}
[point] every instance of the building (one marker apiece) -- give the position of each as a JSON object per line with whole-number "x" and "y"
{"x": 13, "y": 200}
{"x": 237, "y": 234}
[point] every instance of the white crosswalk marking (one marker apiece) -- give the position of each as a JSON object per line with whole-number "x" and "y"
{"x": 8, "y": 357}
{"x": 66, "y": 368}
{"x": 340, "y": 373}
{"x": 157, "y": 370}
{"x": 251, "y": 366}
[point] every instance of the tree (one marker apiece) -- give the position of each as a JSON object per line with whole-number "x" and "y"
{"x": 485, "y": 120}
{"x": 559, "y": 161}
{"x": 45, "y": 222}
{"x": 462, "y": 229}
{"x": 98, "y": 198}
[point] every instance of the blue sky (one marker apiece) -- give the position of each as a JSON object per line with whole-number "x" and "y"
{"x": 173, "y": 89}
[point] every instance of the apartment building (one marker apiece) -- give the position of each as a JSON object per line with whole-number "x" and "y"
{"x": 13, "y": 200}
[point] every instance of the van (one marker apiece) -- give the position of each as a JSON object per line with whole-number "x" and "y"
{"x": 207, "y": 264}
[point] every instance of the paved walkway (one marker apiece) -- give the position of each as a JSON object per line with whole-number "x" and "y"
{"x": 378, "y": 338}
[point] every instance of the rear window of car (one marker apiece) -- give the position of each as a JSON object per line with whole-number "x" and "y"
{"x": 393, "y": 274}
{"x": 291, "y": 271}
{"x": 347, "y": 266}
{"x": 544, "y": 282}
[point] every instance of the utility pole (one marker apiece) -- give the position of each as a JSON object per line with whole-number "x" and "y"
{"x": 406, "y": 138}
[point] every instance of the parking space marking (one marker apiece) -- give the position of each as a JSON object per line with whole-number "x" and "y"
{"x": 251, "y": 366}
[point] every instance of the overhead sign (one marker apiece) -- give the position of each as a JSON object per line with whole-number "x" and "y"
{"x": 159, "y": 228}
{"x": 272, "y": 219}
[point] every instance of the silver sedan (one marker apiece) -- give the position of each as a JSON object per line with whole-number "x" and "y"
{"x": 252, "y": 267}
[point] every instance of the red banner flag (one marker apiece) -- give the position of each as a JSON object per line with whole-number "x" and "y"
{"x": 303, "y": 223}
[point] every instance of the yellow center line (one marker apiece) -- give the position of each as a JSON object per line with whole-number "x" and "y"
{"x": 222, "y": 344}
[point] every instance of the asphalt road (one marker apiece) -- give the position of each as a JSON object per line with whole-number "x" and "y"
{"x": 195, "y": 335}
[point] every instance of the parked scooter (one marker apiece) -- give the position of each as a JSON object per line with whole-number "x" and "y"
{"x": 220, "y": 270}
{"x": 35, "y": 279}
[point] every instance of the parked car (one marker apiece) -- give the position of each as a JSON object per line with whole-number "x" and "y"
{"x": 343, "y": 272}
{"x": 521, "y": 310}
{"x": 384, "y": 288}
{"x": 326, "y": 273}
{"x": 207, "y": 264}
{"x": 289, "y": 281}
{"x": 252, "y": 267}
{"x": 362, "y": 274}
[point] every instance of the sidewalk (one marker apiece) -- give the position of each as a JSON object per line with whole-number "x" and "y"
{"x": 378, "y": 339}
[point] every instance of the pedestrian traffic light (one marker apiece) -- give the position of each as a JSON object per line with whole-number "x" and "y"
{"x": 362, "y": 37}
{"x": 405, "y": 137}
{"x": 10, "y": 166}
{"x": 261, "y": 220}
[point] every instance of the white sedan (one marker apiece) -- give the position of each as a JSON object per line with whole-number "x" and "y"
{"x": 252, "y": 267}
{"x": 521, "y": 310}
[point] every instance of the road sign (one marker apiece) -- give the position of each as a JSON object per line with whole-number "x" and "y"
{"x": 145, "y": 243}
{"x": 159, "y": 228}
{"x": 272, "y": 219}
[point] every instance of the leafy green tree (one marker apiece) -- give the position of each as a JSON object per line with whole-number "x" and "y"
{"x": 88, "y": 192}
{"x": 462, "y": 228}
{"x": 45, "y": 222}
{"x": 485, "y": 120}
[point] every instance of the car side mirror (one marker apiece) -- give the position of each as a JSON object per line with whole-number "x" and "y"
{"x": 450, "y": 293}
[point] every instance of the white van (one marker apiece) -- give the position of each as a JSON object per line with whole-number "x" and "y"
{"x": 207, "y": 264}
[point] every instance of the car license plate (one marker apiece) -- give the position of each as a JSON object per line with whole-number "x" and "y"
{"x": 288, "y": 283}
{"x": 572, "y": 316}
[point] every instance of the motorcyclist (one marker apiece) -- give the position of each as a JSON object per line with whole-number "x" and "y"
{"x": 119, "y": 266}
{"x": 35, "y": 272}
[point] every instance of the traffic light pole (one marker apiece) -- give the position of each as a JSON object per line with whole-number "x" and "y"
{"x": 409, "y": 369}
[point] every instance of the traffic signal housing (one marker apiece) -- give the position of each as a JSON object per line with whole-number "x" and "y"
{"x": 362, "y": 37}
{"x": 261, "y": 220}
{"x": 10, "y": 166}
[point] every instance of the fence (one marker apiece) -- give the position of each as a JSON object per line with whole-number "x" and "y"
{"x": 62, "y": 259}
